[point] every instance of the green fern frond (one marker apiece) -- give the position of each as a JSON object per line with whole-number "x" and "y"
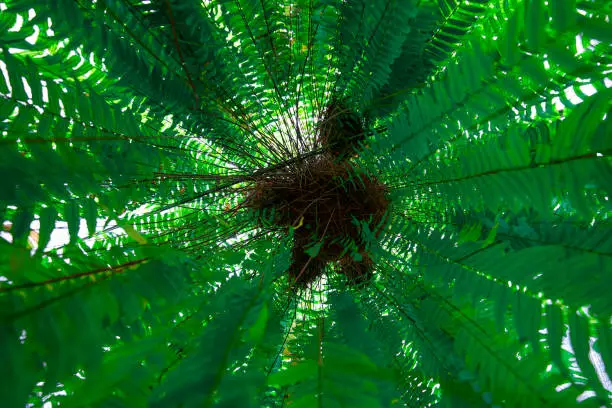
{"x": 317, "y": 203}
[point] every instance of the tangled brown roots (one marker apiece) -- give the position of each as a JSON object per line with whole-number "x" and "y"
{"x": 321, "y": 198}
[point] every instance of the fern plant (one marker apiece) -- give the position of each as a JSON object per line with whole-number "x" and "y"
{"x": 306, "y": 203}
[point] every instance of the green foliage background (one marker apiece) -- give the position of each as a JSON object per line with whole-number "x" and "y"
{"x": 138, "y": 125}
